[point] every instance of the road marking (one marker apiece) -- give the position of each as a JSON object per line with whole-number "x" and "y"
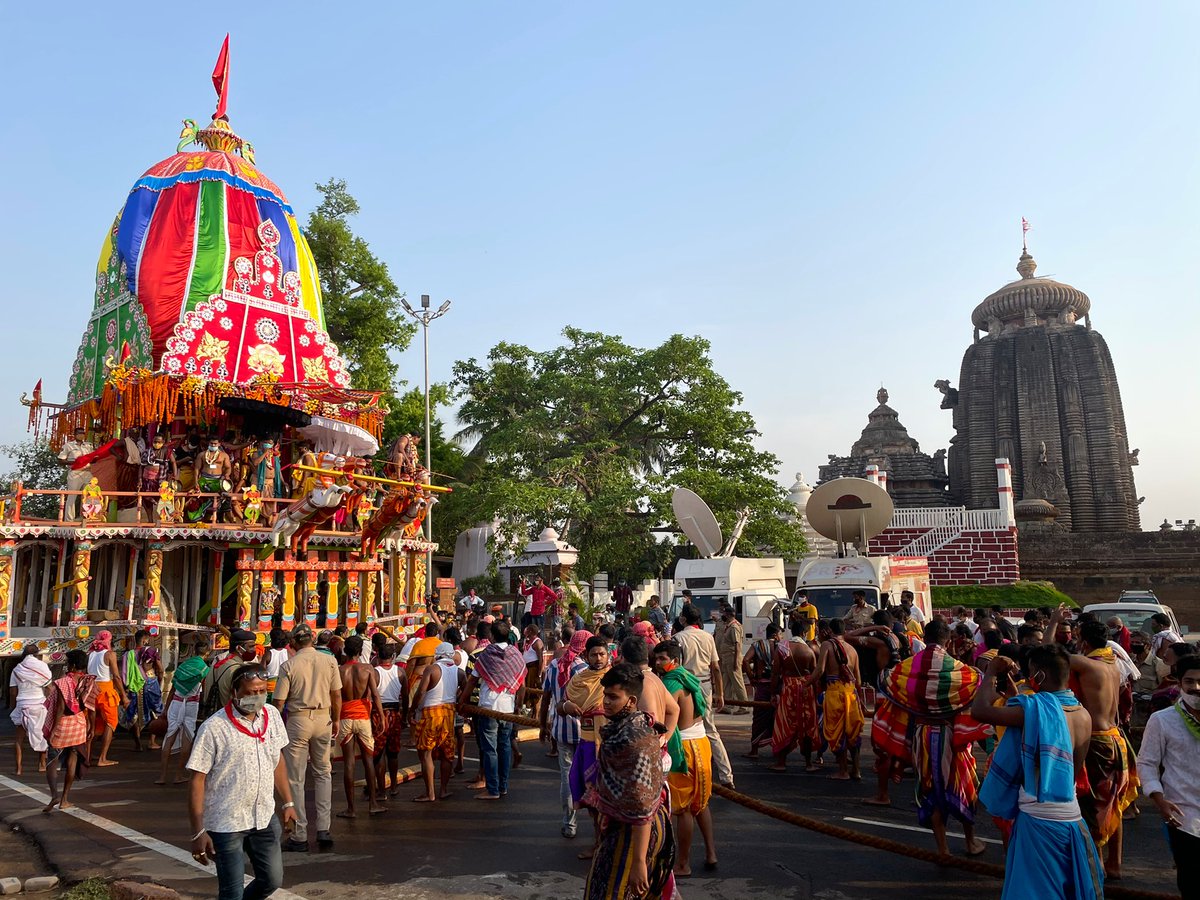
{"x": 912, "y": 828}
{"x": 116, "y": 828}
{"x": 113, "y": 803}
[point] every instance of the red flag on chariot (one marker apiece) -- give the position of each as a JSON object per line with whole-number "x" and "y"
{"x": 125, "y": 352}
{"x": 220, "y": 77}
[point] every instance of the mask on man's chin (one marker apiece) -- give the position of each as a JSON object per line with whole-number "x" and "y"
{"x": 1191, "y": 701}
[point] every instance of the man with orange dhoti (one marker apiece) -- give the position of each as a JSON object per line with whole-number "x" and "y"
{"x": 111, "y": 697}
{"x": 436, "y": 699}
{"x": 842, "y": 723}
{"x": 928, "y": 697}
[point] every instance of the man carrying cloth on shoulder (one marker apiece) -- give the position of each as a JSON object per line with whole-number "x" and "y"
{"x": 690, "y": 777}
{"x": 1032, "y": 780}
{"x": 500, "y": 674}
{"x": 934, "y": 690}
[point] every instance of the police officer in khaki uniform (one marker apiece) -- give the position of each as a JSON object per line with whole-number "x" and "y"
{"x": 310, "y": 689}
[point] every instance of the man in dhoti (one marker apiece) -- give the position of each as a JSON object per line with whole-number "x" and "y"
{"x": 1031, "y": 780}
{"x": 27, "y": 696}
{"x": 842, "y": 717}
{"x": 77, "y": 478}
{"x": 934, "y": 691}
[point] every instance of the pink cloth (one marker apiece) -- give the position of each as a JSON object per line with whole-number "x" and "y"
{"x": 578, "y": 642}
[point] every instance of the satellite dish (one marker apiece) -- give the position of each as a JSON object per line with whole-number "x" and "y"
{"x": 697, "y": 521}
{"x": 850, "y": 510}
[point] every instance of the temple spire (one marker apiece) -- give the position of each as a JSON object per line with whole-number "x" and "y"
{"x": 1026, "y": 265}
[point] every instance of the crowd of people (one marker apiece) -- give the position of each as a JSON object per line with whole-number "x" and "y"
{"x": 1035, "y": 721}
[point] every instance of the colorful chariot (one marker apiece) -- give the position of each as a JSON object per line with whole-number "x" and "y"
{"x": 219, "y": 459}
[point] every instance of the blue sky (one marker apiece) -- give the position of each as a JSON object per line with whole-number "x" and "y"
{"x": 824, "y": 191}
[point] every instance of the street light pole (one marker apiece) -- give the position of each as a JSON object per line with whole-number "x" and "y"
{"x": 424, "y": 317}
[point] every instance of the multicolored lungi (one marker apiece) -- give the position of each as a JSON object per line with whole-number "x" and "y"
{"x": 144, "y": 704}
{"x": 796, "y": 723}
{"x": 608, "y": 878}
{"x": 389, "y": 733}
{"x": 925, "y": 720}
{"x": 843, "y": 721}
{"x": 435, "y": 731}
{"x": 1111, "y": 785}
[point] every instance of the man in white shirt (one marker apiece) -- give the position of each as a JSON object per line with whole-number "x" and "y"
{"x": 1169, "y": 766}
{"x": 700, "y": 658}
{"x": 237, "y": 768}
{"x": 1165, "y": 636}
{"x": 76, "y": 478}
{"x": 500, "y": 674}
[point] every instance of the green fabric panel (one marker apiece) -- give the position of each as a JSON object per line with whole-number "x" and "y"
{"x": 208, "y": 262}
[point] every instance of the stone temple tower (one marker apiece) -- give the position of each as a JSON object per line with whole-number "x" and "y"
{"x": 1038, "y": 387}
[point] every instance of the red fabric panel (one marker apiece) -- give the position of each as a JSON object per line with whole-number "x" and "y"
{"x": 241, "y": 228}
{"x": 166, "y": 261}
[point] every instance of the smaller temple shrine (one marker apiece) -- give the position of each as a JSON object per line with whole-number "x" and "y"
{"x": 914, "y": 479}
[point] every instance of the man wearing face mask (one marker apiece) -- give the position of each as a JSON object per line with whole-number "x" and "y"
{"x": 728, "y": 638}
{"x": 237, "y": 767}
{"x": 218, "y": 683}
{"x": 1169, "y": 765}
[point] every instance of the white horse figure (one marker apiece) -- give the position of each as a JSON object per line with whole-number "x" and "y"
{"x": 317, "y": 507}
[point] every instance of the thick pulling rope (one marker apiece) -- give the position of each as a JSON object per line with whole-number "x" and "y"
{"x": 966, "y": 864}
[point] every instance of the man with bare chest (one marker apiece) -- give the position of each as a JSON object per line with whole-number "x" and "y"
{"x": 360, "y": 698}
{"x": 1111, "y": 767}
{"x": 690, "y": 777}
{"x": 796, "y": 722}
{"x": 837, "y": 667}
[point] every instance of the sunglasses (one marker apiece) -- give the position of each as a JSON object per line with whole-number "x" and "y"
{"x": 249, "y": 673}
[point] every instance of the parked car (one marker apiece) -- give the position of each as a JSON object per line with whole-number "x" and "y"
{"x": 1145, "y": 597}
{"x": 1136, "y": 617}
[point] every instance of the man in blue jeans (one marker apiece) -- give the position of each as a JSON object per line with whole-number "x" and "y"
{"x": 500, "y": 674}
{"x": 237, "y": 768}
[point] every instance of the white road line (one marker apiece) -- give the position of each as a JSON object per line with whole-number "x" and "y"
{"x": 912, "y": 828}
{"x": 113, "y": 803}
{"x": 150, "y": 843}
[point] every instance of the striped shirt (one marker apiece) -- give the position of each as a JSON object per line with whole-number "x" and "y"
{"x": 565, "y": 729}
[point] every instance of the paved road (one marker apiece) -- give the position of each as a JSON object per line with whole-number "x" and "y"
{"x": 467, "y": 849}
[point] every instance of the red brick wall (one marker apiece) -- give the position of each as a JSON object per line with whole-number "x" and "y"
{"x": 974, "y": 557}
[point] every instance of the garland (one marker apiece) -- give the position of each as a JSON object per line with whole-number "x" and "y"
{"x": 138, "y": 397}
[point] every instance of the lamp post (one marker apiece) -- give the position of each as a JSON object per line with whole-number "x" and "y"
{"x": 424, "y": 317}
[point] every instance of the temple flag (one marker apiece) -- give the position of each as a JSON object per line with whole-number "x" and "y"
{"x": 220, "y": 79}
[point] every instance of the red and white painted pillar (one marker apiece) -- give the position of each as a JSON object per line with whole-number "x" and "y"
{"x": 1005, "y": 490}
{"x": 882, "y": 480}
{"x": 872, "y": 474}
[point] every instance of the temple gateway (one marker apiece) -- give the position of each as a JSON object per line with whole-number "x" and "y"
{"x": 1038, "y": 387}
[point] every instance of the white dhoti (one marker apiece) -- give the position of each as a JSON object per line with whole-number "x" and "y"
{"x": 182, "y": 713}
{"x": 31, "y": 716}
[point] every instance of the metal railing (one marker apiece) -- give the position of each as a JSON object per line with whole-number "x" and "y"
{"x": 951, "y": 517}
{"x": 145, "y": 503}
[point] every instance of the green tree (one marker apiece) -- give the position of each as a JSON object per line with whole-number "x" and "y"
{"x": 37, "y": 468}
{"x": 364, "y": 318}
{"x": 362, "y": 303}
{"x": 592, "y": 437}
